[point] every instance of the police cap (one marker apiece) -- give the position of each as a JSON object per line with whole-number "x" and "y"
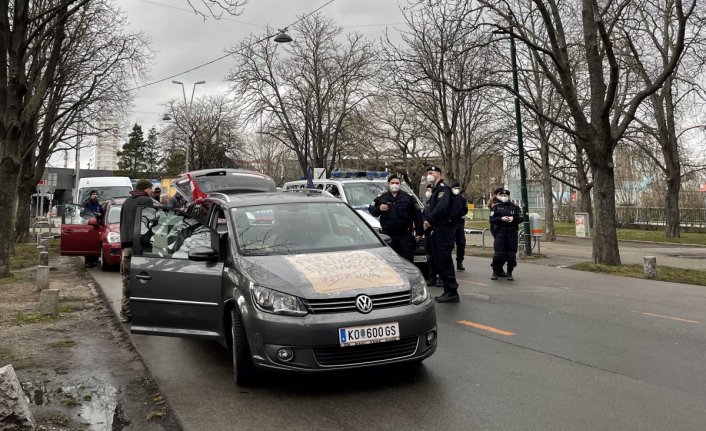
{"x": 393, "y": 177}
{"x": 501, "y": 191}
{"x": 433, "y": 168}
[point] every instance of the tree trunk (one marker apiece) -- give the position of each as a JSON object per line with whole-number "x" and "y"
{"x": 671, "y": 203}
{"x": 549, "y": 234}
{"x": 9, "y": 172}
{"x": 25, "y": 187}
{"x": 605, "y": 235}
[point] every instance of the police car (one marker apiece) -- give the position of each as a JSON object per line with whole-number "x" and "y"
{"x": 359, "y": 189}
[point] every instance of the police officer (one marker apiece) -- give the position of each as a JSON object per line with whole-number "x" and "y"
{"x": 443, "y": 234}
{"x": 459, "y": 208}
{"x": 399, "y": 215}
{"x": 428, "y": 245}
{"x": 505, "y": 216}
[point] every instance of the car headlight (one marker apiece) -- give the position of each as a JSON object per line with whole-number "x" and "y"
{"x": 419, "y": 291}
{"x": 113, "y": 237}
{"x": 276, "y": 302}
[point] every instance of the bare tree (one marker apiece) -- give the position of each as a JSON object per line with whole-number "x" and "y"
{"x": 216, "y": 8}
{"x": 443, "y": 48}
{"x": 600, "y": 127}
{"x": 306, "y": 95}
{"x": 209, "y": 130}
{"x": 98, "y": 62}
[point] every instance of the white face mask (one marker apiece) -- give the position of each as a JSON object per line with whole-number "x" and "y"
{"x": 430, "y": 178}
{"x": 456, "y": 191}
{"x": 394, "y": 188}
{"x": 428, "y": 195}
{"x": 503, "y": 198}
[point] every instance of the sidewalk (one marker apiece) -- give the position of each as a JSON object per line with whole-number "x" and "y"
{"x": 571, "y": 250}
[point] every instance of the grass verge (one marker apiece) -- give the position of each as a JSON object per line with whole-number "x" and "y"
{"x": 664, "y": 273}
{"x": 568, "y": 229}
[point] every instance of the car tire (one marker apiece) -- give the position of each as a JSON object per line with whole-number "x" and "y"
{"x": 104, "y": 263}
{"x": 243, "y": 368}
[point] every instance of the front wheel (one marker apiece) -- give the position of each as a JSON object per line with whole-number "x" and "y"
{"x": 243, "y": 368}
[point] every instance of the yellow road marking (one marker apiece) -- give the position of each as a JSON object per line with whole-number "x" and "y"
{"x": 671, "y": 318}
{"x": 486, "y": 328}
{"x": 471, "y": 282}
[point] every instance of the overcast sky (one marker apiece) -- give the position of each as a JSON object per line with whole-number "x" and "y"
{"x": 182, "y": 40}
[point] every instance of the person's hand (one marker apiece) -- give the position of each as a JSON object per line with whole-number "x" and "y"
{"x": 426, "y": 225}
{"x": 383, "y": 207}
{"x": 417, "y": 238}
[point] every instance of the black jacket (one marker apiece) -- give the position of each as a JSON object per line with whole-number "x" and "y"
{"x": 502, "y": 209}
{"x": 459, "y": 208}
{"x": 440, "y": 205}
{"x": 403, "y": 213}
{"x": 138, "y": 198}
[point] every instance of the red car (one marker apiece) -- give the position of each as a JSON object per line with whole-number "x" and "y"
{"x": 82, "y": 234}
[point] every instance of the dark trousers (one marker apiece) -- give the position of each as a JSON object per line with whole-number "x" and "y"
{"x": 443, "y": 238}
{"x": 460, "y": 242}
{"x": 505, "y": 245}
{"x": 403, "y": 245}
{"x": 429, "y": 251}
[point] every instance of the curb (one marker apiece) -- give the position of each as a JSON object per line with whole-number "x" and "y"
{"x": 637, "y": 241}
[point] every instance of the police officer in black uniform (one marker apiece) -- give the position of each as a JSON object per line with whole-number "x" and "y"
{"x": 443, "y": 234}
{"x": 505, "y": 216}
{"x": 459, "y": 208}
{"x": 428, "y": 244}
{"x": 399, "y": 215}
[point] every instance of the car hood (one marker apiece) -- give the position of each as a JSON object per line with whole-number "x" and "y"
{"x": 333, "y": 274}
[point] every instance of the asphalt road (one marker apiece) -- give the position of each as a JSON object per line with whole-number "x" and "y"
{"x": 556, "y": 349}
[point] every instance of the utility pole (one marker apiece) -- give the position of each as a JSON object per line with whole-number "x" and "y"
{"x": 518, "y": 124}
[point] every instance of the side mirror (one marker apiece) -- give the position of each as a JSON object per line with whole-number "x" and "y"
{"x": 203, "y": 254}
{"x": 93, "y": 222}
{"x": 386, "y": 238}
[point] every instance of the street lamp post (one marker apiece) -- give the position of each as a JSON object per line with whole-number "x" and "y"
{"x": 188, "y": 115}
{"x": 521, "y": 150}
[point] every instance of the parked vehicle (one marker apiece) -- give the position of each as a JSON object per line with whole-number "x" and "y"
{"x": 287, "y": 281}
{"x": 83, "y": 234}
{"x": 107, "y": 187}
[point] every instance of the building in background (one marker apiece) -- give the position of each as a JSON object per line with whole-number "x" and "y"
{"x": 105, "y": 151}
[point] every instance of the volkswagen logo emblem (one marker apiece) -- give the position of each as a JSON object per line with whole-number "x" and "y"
{"x": 364, "y": 303}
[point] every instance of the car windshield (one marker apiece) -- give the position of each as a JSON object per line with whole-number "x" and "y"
{"x": 302, "y": 227}
{"x": 361, "y": 194}
{"x": 105, "y": 193}
{"x": 114, "y": 214}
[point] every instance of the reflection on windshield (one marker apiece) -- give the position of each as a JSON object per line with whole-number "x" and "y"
{"x": 296, "y": 228}
{"x": 114, "y": 214}
{"x": 362, "y": 194}
{"x": 105, "y": 193}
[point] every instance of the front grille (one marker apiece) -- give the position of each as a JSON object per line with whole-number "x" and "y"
{"x": 352, "y": 355}
{"x": 342, "y": 305}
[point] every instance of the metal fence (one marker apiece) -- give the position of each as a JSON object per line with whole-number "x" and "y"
{"x": 626, "y": 216}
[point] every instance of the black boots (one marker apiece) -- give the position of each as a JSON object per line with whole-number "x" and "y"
{"x": 509, "y": 275}
{"x": 448, "y": 297}
{"x": 459, "y": 266}
{"x": 495, "y": 276}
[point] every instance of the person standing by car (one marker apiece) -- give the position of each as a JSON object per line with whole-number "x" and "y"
{"x": 97, "y": 210}
{"x": 140, "y": 197}
{"x": 432, "y": 279}
{"x": 157, "y": 193}
{"x": 504, "y": 217}
{"x": 443, "y": 234}
{"x": 459, "y": 208}
{"x": 177, "y": 201}
{"x": 400, "y": 215}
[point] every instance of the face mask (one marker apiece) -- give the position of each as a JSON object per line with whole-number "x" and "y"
{"x": 504, "y": 198}
{"x": 430, "y": 178}
{"x": 394, "y": 188}
{"x": 428, "y": 195}
{"x": 456, "y": 191}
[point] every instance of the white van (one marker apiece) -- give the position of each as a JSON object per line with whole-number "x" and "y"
{"x": 107, "y": 187}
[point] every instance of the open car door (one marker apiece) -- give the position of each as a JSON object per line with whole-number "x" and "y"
{"x": 175, "y": 276}
{"x": 79, "y": 232}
